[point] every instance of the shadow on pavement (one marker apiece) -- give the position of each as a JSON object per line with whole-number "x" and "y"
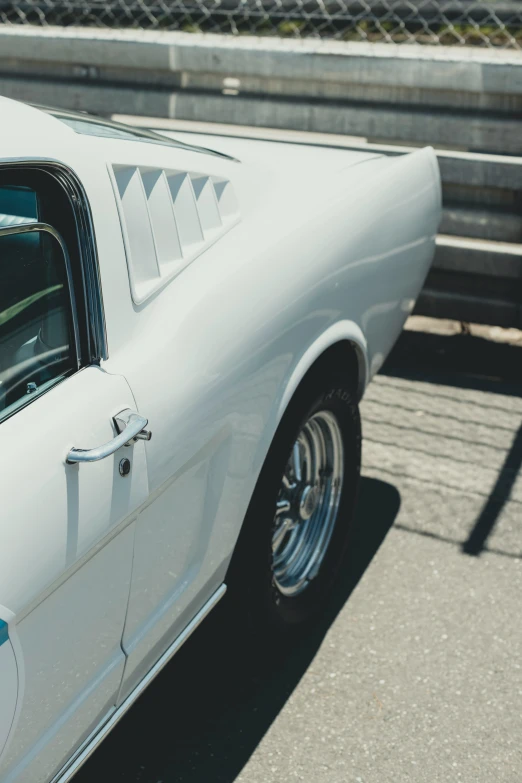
{"x": 497, "y": 500}
{"x": 470, "y": 362}
{"x": 202, "y": 718}
{"x": 464, "y": 361}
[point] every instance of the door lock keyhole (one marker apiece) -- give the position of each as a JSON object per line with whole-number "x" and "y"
{"x": 125, "y": 467}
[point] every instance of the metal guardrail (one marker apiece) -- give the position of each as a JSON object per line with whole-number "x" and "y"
{"x": 466, "y": 103}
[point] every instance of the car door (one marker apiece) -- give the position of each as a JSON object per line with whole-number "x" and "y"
{"x": 66, "y": 530}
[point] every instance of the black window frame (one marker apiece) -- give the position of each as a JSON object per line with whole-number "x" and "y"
{"x": 84, "y": 284}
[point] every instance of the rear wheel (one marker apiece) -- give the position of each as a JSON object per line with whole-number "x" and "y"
{"x": 298, "y": 524}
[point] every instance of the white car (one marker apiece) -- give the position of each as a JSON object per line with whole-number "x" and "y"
{"x": 185, "y": 335}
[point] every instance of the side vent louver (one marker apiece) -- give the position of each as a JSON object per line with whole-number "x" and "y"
{"x": 207, "y": 203}
{"x": 164, "y": 229}
{"x": 185, "y": 210}
{"x": 226, "y": 198}
{"x": 168, "y": 218}
{"x": 137, "y": 223}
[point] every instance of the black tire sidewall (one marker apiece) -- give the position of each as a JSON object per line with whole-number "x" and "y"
{"x": 251, "y": 568}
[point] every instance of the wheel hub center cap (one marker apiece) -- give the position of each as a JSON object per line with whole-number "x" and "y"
{"x": 309, "y": 500}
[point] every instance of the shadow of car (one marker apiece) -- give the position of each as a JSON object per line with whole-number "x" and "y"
{"x": 205, "y": 714}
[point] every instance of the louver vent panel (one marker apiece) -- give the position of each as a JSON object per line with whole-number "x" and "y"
{"x": 164, "y": 229}
{"x": 139, "y": 231}
{"x": 226, "y": 198}
{"x": 185, "y": 209}
{"x": 168, "y": 219}
{"x": 207, "y": 203}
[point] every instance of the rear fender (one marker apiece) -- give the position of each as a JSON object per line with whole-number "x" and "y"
{"x": 342, "y": 330}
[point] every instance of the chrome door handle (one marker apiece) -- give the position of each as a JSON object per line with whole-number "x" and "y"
{"x": 130, "y": 427}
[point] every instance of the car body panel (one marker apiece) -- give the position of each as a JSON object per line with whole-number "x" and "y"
{"x": 245, "y": 320}
{"x": 329, "y": 246}
{"x": 66, "y": 567}
{"x": 9, "y": 685}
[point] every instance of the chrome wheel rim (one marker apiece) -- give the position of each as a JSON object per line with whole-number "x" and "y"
{"x": 307, "y": 504}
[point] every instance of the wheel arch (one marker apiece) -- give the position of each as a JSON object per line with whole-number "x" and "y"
{"x": 342, "y": 346}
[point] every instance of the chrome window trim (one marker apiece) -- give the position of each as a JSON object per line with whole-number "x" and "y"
{"x": 38, "y": 228}
{"x": 90, "y": 269}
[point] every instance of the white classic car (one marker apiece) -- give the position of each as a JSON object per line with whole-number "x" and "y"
{"x": 233, "y": 305}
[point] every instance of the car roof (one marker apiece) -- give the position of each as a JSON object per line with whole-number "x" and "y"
{"x": 92, "y": 125}
{"x": 31, "y": 126}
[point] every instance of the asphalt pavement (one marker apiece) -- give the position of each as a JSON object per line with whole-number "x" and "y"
{"x": 415, "y": 673}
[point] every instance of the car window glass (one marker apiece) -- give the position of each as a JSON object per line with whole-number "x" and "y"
{"x": 91, "y": 126}
{"x": 17, "y": 205}
{"x": 36, "y": 335}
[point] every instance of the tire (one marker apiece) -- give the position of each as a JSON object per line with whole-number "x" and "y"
{"x": 274, "y": 590}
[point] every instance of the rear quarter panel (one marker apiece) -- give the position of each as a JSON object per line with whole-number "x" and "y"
{"x": 214, "y": 357}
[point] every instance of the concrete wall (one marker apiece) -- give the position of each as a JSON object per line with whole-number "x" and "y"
{"x": 466, "y": 102}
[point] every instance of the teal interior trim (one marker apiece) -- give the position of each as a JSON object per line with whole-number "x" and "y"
{"x": 4, "y": 632}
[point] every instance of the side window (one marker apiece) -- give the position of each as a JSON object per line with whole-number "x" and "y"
{"x": 17, "y": 205}
{"x": 37, "y": 335}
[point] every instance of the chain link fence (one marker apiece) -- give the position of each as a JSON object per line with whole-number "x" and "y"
{"x": 497, "y": 23}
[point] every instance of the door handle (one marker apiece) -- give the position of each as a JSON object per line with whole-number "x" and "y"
{"x": 130, "y": 427}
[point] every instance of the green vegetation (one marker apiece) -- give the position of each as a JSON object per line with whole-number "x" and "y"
{"x": 292, "y": 27}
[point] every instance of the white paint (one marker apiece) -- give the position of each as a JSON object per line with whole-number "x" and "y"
{"x": 143, "y": 262}
{"x": 66, "y": 563}
{"x": 8, "y": 691}
{"x": 168, "y": 218}
{"x": 342, "y": 330}
{"x": 161, "y": 214}
{"x": 325, "y": 250}
{"x": 318, "y": 257}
